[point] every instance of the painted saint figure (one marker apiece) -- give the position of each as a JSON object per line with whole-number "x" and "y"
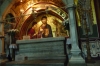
{"x": 32, "y": 32}
{"x": 45, "y": 29}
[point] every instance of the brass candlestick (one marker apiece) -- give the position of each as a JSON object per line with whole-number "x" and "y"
{"x": 87, "y": 40}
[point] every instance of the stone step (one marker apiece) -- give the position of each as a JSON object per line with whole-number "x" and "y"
{"x": 43, "y": 50}
{"x": 37, "y": 63}
{"x": 37, "y": 49}
{"x": 42, "y": 45}
{"x": 32, "y": 56}
{"x": 31, "y": 50}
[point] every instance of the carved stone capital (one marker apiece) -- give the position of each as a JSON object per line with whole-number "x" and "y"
{"x": 72, "y": 6}
{"x": 69, "y": 3}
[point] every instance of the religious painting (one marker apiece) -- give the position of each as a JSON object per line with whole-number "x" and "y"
{"x": 46, "y": 26}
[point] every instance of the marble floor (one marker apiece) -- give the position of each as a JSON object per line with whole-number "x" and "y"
{"x": 97, "y": 63}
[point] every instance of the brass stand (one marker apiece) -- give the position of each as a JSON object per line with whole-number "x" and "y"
{"x": 88, "y": 59}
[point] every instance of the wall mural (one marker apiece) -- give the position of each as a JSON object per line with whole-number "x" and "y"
{"x": 25, "y": 21}
{"x": 29, "y": 12}
{"x": 46, "y": 26}
{"x": 57, "y": 28}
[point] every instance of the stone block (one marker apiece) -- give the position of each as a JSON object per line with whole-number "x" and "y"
{"x": 20, "y": 57}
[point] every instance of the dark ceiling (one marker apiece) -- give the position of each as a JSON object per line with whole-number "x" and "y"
{"x": 1, "y": 1}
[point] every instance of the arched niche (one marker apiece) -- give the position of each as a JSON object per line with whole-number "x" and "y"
{"x": 24, "y": 21}
{"x": 9, "y": 22}
{"x": 54, "y": 20}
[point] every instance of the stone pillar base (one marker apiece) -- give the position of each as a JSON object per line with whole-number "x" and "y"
{"x": 90, "y": 64}
{"x": 76, "y": 60}
{"x": 3, "y": 58}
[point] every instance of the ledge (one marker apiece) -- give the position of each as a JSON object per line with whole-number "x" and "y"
{"x": 41, "y": 61}
{"x": 40, "y": 40}
{"x": 1, "y": 36}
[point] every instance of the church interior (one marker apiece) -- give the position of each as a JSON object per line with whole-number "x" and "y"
{"x": 49, "y": 32}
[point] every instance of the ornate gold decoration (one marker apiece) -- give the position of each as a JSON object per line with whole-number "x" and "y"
{"x": 85, "y": 11}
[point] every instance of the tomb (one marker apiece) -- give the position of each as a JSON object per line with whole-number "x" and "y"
{"x": 41, "y": 52}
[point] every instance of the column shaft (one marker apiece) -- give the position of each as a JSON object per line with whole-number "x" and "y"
{"x": 76, "y": 59}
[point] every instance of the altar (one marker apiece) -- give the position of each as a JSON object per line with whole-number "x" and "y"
{"x": 50, "y": 50}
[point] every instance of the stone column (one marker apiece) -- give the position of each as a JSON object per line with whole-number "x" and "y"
{"x": 1, "y": 40}
{"x": 2, "y": 52}
{"x": 4, "y": 5}
{"x": 76, "y": 59}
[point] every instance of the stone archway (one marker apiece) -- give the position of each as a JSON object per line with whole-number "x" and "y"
{"x": 57, "y": 9}
{"x": 52, "y": 11}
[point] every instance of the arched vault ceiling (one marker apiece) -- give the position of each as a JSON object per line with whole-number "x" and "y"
{"x": 55, "y": 2}
{"x": 25, "y": 4}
